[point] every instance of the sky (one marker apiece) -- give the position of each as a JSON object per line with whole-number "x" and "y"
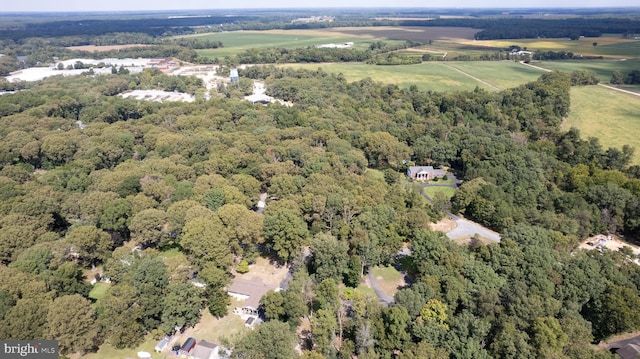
{"x": 135, "y": 5}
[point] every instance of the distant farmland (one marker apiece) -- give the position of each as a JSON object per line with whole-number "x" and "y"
{"x": 607, "y": 46}
{"x": 362, "y": 37}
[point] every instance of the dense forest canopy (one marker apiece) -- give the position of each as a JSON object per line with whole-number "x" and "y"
{"x": 186, "y": 177}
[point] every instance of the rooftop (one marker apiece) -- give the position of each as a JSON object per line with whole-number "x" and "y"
{"x": 254, "y": 288}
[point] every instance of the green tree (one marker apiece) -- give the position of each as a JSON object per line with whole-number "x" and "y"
{"x": 116, "y": 216}
{"x": 149, "y": 227}
{"x": 548, "y": 337}
{"x": 150, "y": 279}
{"x": 72, "y": 321}
{"x": 383, "y": 149}
{"x": 435, "y": 311}
{"x": 243, "y": 228}
{"x": 181, "y": 306}
{"x": 330, "y": 257}
{"x": 67, "y": 279}
{"x": 214, "y": 199}
{"x": 26, "y": 320}
{"x": 217, "y": 301}
{"x": 285, "y": 232}
{"x": 6, "y": 302}
{"x": 614, "y": 312}
{"x": 120, "y": 316}
{"x": 91, "y": 244}
{"x": 395, "y": 333}
{"x": 272, "y": 304}
{"x": 272, "y": 340}
{"x": 324, "y": 327}
{"x": 204, "y": 241}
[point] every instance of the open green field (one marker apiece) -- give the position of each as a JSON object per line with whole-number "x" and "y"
{"x": 611, "y": 116}
{"x": 613, "y": 46}
{"x": 436, "y": 76}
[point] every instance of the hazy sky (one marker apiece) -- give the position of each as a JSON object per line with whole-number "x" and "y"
{"x": 127, "y": 5}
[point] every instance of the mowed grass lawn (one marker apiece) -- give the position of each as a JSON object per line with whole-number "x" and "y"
{"x": 98, "y": 290}
{"x": 431, "y": 191}
{"x": 611, "y": 116}
{"x": 388, "y": 279}
{"x": 435, "y": 76}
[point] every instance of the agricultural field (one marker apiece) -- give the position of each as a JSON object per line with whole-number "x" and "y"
{"x": 238, "y": 41}
{"x": 611, "y": 116}
{"x": 602, "y": 68}
{"x": 613, "y": 46}
{"x": 501, "y": 74}
{"x": 437, "y": 76}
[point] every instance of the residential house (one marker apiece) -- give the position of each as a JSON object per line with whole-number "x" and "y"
{"x": 205, "y": 350}
{"x": 626, "y": 348}
{"x": 425, "y": 173}
{"x": 249, "y": 292}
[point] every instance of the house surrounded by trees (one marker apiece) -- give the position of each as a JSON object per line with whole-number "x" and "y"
{"x": 425, "y": 173}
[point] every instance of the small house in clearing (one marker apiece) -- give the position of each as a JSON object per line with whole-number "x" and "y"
{"x": 425, "y": 173}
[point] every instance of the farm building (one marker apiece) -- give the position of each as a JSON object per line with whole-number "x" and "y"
{"x": 188, "y": 346}
{"x": 205, "y": 350}
{"x": 425, "y": 173}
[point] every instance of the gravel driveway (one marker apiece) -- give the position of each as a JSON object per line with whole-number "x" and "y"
{"x": 467, "y": 228}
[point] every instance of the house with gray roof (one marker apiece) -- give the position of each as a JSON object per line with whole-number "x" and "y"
{"x": 425, "y": 173}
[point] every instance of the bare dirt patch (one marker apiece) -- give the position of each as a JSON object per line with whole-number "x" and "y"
{"x": 95, "y": 48}
{"x": 217, "y": 330}
{"x": 444, "y": 225}
{"x": 270, "y": 274}
{"x": 613, "y": 243}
